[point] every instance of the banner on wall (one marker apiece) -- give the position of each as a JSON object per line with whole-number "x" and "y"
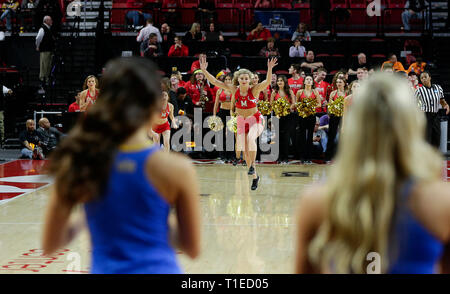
{"x": 283, "y": 23}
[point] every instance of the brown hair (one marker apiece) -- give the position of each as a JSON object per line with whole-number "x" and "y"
{"x": 86, "y": 80}
{"x": 130, "y": 93}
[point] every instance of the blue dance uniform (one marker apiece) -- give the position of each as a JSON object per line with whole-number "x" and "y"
{"x": 129, "y": 222}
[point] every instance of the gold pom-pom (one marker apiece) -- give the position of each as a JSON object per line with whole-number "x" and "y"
{"x": 215, "y": 123}
{"x": 306, "y": 107}
{"x": 232, "y": 124}
{"x": 264, "y": 107}
{"x": 281, "y": 107}
{"x": 336, "y": 107}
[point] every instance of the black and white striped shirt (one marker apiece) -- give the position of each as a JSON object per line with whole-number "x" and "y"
{"x": 429, "y": 98}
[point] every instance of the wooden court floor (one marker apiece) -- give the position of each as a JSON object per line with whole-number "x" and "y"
{"x": 244, "y": 231}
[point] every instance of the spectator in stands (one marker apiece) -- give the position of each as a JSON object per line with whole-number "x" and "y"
{"x": 396, "y": 65}
{"x": 414, "y": 80}
{"x": 171, "y": 14}
{"x": 418, "y": 67}
{"x": 167, "y": 35}
{"x": 264, "y": 4}
{"x": 321, "y": 7}
{"x": 135, "y": 16}
{"x": 297, "y": 50}
{"x": 269, "y": 50}
{"x": 296, "y": 81}
{"x": 414, "y": 9}
{"x": 178, "y": 49}
{"x": 323, "y": 88}
{"x": 45, "y": 44}
{"x": 198, "y": 89}
{"x": 361, "y": 62}
{"x": 75, "y": 107}
{"x": 260, "y": 33}
{"x": 301, "y": 33}
{"x": 388, "y": 68}
{"x": 310, "y": 64}
{"x": 145, "y": 33}
{"x": 319, "y": 141}
{"x": 362, "y": 73}
{"x": 31, "y": 142}
{"x": 28, "y": 9}
{"x": 10, "y": 9}
{"x": 206, "y": 12}
{"x": 176, "y": 74}
{"x": 196, "y": 64}
{"x": 185, "y": 105}
{"x": 194, "y": 34}
{"x": 50, "y": 136}
{"x": 212, "y": 35}
{"x": 154, "y": 48}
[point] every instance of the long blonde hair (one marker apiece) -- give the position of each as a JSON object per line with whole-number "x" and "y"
{"x": 382, "y": 146}
{"x": 194, "y": 26}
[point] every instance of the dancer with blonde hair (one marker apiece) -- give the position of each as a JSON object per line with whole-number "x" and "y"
{"x": 384, "y": 196}
{"x": 250, "y": 122}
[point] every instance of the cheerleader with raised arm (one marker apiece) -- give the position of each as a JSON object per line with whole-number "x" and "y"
{"x": 250, "y": 122}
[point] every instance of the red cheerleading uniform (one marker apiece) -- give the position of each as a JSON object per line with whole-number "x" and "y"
{"x": 324, "y": 89}
{"x": 303, "y": 96}
{"x": 277, "y": 96}
{"x": 295, "y": 84}
{"x": 223, "y": 97}
{"x": 159, "y": 129}
{"x": 93, "y": 98}
{"x": 247, "y": 102}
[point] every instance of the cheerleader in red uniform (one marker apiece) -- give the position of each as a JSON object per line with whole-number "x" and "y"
{"x": 250, "y": 122}
{"x": 90, "y": 93}
{"x": 162, "y": 125}
{"x": 288, "y": 122}
{"x": 340, "y": 85}
{"x": 223, "y": 97}
{"x": 263, "y": 95}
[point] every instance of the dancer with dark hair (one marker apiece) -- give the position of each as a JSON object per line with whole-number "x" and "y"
{"x": 127, "y": 185}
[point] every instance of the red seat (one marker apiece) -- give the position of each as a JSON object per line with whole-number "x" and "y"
{"x": 282, "y": 72}
{"x": 284, "y": 4}
{"x": 262, "y": 71}
{"x": 393, "y": 13}
{"x": 189, "y": 3}
{"x": 243, "y": 4}
{"x": 236, "y": 55}
{"x": 338, "y": 4}
{"x": 305, "y": 12}
{"x": 225, "y": 13}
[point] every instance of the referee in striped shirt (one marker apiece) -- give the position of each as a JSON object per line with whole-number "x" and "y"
{"x": 430, "y": 96}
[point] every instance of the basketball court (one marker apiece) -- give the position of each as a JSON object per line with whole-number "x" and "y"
{"x": 244, "y": 231}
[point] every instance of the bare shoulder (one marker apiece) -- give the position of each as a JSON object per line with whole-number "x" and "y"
{"x": 170, "y": 173}
{"x": 312, "y": 204}
{"x": 431, "y": 205}
{"x": 170, "y": 164}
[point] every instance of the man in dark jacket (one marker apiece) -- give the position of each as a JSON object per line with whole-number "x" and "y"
{"x": 50, "y": 136}
{"x": 414, "y": 9}
{"x": 321, "y": 7}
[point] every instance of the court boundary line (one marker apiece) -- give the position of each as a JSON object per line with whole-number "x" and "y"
{"x": 38, "y": 189}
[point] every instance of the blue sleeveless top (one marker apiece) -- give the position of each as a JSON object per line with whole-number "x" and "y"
{"x": 129, "y": 222}
{"x": 414, "y": 249}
